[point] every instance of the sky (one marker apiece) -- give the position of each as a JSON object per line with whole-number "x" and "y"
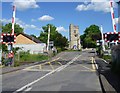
{"x": 32, "y": 15}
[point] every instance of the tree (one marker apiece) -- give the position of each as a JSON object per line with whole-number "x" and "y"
{"x": 59, "y": 40}
{"x": 33, "y": 36}
{"x": 91, "y": 34}
{"x": 8, "y": 28}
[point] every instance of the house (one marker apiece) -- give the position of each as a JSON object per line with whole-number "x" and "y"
{"x": 29, "y": 43}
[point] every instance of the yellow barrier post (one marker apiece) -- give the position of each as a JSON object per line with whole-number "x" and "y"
{"x": 40, "y": 67}
{"x": 51, "y": 66}
{"x": 59, "y": 63}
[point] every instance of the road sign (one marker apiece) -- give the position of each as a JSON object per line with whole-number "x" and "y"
{"x": 51, "y": 43}
{"x": 8, "y": 38}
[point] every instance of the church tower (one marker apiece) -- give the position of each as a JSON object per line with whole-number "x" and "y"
{"x": 74, "y": 37}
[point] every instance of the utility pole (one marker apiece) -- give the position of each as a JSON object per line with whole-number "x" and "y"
{"x": 103, "y": 43}
{"x": 48, "y": 41}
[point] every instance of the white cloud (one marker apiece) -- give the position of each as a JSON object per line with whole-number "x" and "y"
{"x": 5, "y": 20}
{"x": 33, "y": 20}
{"x": 45, "y": 18}
{"x": 117, "y": 20}
{"x": 32, "y": 27}
{"x": 103, "y": 5}
{"x": 61, "y": 29}
{"x": 25, "y": 4}
{"x": 21, "y": 23}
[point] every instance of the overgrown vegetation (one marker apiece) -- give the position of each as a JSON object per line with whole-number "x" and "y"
{"x": 91, "y": 34}
{"x": 99, "y": 51}
{"x": 107, "y": 57}
{"x": 26, "y": 57}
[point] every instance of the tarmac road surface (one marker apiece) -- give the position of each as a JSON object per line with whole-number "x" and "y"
{"x": 68, "y": 71}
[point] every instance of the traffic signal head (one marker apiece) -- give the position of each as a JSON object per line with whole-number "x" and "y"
{"x": 112, "y": 37}
{"x": 8, "y": 38}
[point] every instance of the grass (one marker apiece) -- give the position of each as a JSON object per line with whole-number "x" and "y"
{"x": 32, "y": 58}
{"x": 106, "y": 57}
{"x": 26, "y": 58}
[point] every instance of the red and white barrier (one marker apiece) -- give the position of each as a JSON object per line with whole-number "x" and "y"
{"x": 112, "y": 15}
{"x": 13, "y": 19}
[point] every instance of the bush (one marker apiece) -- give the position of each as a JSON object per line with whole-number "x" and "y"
{"x": 99, "y": 51}
{"x": 59, "y": 50}
{"x": 16, "y": 63}
{"x": 26, "y": 57}
{"x": 106, "y": 57}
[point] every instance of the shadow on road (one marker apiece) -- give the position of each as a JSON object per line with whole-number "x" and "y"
{"x": 113, "y": 79}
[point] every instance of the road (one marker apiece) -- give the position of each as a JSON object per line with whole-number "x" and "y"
{"x": 68, "y": 71}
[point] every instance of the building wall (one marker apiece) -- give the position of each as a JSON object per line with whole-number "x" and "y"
{"x": 32, "y": 48}
{"x": 74, "y": 37}
{"x": 28, "y": 45}
{"x": 20, "y": 39}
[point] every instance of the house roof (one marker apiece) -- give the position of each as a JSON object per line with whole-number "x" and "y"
{"x": 31, "y": 38}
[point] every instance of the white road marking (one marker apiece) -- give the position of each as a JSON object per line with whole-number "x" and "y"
{"x": 56, "y": 70}
{"x": 105, "y": 61}
{"x": 64, "y": 66}
{"x": 95, "y": 64}
{"x": 37, "y": 70}
{"x": 86, "y": 67}
{"x": 28, "y": 89}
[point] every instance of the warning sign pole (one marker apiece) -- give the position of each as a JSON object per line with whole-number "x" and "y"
{"x": 10, "y": 45}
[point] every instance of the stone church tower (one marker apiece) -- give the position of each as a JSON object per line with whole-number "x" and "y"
{"x": 74, "y": 37}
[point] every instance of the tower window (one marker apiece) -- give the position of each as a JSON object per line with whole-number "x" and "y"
{"x": 76, "y": 35}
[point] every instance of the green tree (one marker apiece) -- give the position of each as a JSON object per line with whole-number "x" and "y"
{"x": 91, "y": 34}
{"x": 33, "y": 36}
{"x": 59, "y": 40}
{"x": 8, "y": 28}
